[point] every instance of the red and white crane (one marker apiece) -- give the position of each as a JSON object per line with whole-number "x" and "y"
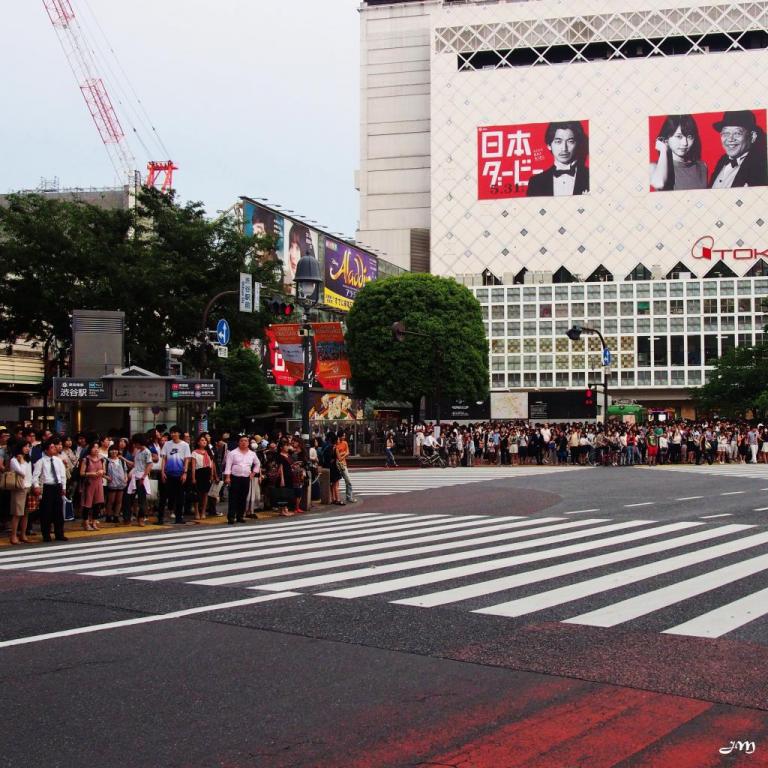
{"x": 82, "y": 59}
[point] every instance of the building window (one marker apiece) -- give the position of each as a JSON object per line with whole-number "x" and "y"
{"x": 728, "y": 323}
{"x": 693, "y": 289}
{"x": 643, "y": 351}
{"x": 659, "y": 307}
{"x": 513, "y": 362}
{"x": 660, "y": 357}
{"x": 640, "y": 272}
{"x": 710, "y": 324}
{"x": 498, "y": 380}
{"x": 529, "y": 380}
{"x": 677, "y": 350}
{"x": 627, "y": 379}
{"x": 627, "y": 326}
{"x": 745, "y": 323}
{"x": 710, "y": 306}
{"x": 694, "y": 377}
{"x": 693, "y": 306}
{"x": 726, "y": 305}
{"x": 660, "y": 378}
{"x": 513, "y": 345}
{"x": 694, "y": 350}
{"x": 514, "y": 379}
{"x": 745, "y": 340}
{"x": 545, "y": 310}
{"x": 643, "y": 378}
{"x": 545, "y": 380}
{"x": 727, "y": 343}
{"x": 529, "y": 345}
{"x": 594, "y": 309}
{"x": 497, "y": 329}
{"x": 676, "y": 307}
{"x": 577, "y": 379}
{"x": 562, "y": 380}
{"x": 745, "y": 305}
{"x": 710, "y": 350}
{"x": 693, "y": 324}
{"x": 513, "y": 329}
{"x": 610, "y": 326}
{"x": 545, "y": 329}
{"x": 677, "y": 324}
{"x": 678, "y": 378}
{"x": 628, "y": 309}
{"x": 659, "y": 324}
{"x": 529, "y": 311}
{"x": 513, "y": 311}
{"x": 643, "y": 325}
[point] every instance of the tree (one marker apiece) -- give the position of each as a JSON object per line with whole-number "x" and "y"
{"x": 159, "y": 263}
{"x": 245, "y": 390}
{"x": 738, "y": 385}
{"x": 453, "y": 354}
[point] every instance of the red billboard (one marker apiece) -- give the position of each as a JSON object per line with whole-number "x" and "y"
{"x": 533, "y": 160}
{"x": 708, "y": 150}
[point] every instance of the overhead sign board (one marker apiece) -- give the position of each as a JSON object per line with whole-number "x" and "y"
{"x": 79, "y": 389}
{"x": 130, "y": 389}
{"x": 194, "y": 389}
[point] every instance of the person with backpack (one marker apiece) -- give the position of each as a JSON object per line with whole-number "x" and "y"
{"x": 242, "y": 465}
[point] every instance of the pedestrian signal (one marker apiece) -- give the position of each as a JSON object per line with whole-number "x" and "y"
{"x": 589, "y": 398}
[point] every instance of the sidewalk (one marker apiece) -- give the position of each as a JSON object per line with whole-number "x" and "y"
{"x": 73, "y": 529}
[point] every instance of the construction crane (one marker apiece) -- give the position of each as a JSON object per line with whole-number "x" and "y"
{"x": 82, "y": 59}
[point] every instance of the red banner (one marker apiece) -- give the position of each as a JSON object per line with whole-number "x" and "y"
{"x": 286, "y": 354}
{"x": 331, "y": 361}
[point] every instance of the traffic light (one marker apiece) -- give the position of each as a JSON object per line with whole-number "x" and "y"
{"x": 589, "y": 398}
{"x": 281, "y": 308}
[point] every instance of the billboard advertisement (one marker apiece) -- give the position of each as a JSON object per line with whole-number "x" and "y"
{"x": 708, "y": 150}
{"x": 335, "y": 406}
{"x": 533, "y": 160}
{"x": 329, "y": 361}
{"x": 293, "y": 238}
{"x": 347, "y": 270}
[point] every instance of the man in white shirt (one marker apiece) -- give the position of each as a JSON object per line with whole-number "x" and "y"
{"x": 241, "y": 466}
{"x": 49, "y": 480}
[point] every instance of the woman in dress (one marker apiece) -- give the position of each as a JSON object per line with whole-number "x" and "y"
{"x": 21, "y": 466}
{"x": 117, "y": 482}
{"x": 679, "y": 165}
{"x": 336, "y": 475}
{"x": 92, "y": 474}
{"x": 204, "y": 476}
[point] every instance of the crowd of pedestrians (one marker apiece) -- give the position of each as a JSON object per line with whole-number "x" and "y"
{"x": 613, "y": 444}
{"x": 46, "y": 479}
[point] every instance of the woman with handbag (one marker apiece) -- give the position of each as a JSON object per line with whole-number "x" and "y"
{"x": 21, "y": 473}
{"x": 204, "y": 476}
{"x": 92, "y": 473}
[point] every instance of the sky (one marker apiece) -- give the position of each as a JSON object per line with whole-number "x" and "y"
{"x": 250, "y": 97}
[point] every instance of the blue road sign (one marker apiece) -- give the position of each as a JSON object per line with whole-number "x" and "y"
{"x": 606, "y": 356}
{"x": 222, "y": 332}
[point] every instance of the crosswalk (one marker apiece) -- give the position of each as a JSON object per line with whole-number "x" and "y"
{"x": 748, "y": 471}
{"x": 383, "y": 483}
{"x": 590, "y": 571}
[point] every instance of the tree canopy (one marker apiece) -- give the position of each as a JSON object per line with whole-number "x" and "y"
{"x": 738, "y": 385}
{"x": 453, "y": 351}
{"x": 160, "y": 264}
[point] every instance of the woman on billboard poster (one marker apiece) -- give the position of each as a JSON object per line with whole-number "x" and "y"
{"x": 679, "y": 165}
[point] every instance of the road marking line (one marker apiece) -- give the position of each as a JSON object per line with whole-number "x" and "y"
{"x": 655, "y": 600}
{"x": 732, "y": 493}
{"x": 393, "y": 585}
{"x": 709, "y": 517}
{"x": 761, "y": 509}
{"x": 641, "y": 504}
{"x": 580, "y": 511}
{"x": 240, "y": 565}
{"x": 567, "y": 568}
{"x": 542, "y": 600}
{"x": 144, "y": 619}
{"x": 689, "y": 498}
{"x": 726, "y": 618}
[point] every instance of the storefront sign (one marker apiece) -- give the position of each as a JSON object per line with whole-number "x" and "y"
{"x": 79, "y": 389}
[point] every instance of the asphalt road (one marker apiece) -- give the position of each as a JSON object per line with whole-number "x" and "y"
{"x": 172, "y": 673}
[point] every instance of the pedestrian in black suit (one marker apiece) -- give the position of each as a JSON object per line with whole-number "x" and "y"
{"x": 744, "y": 163}
{"x": 568, "y": 175}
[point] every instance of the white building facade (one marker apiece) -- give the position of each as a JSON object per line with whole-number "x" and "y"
{"x": 581, "y": 159}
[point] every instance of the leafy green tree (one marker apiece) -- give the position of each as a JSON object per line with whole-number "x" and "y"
{"x": 245, "y": 390}
{"x": 160, "y": 264}
{"x": 451, "y": 359}
{"x": 738, "y": 385}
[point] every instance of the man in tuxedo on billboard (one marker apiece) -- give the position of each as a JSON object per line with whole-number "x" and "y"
{"x": 744, "y": 163}
{"x": 568, "y": 175}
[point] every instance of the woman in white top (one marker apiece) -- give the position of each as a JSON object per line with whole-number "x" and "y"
{"x": 22, "y": 467}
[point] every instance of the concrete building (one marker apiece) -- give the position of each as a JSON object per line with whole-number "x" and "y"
{"x": 528, "y": 143}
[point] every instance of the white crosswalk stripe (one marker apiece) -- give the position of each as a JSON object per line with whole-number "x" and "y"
{"x": 584, "y": 570}
{"x": 746, "y": 471}
{"x": 383, "y": 483}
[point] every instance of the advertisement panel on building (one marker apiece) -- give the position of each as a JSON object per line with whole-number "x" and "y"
{"x": 347, "y": 270}
{"x": 533, "y": 160}
{"x": 293, "y": 238}
{"x": 708, "y": 150}
{"x": 545, "y": 406}
{"x": 329, "y": 354}
{"x": 335, "y": 406}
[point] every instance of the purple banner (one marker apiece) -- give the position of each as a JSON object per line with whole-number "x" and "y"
{"x": 347, "y": 270}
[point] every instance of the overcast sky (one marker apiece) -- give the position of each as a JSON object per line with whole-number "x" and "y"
{"x": 251, "y": 97}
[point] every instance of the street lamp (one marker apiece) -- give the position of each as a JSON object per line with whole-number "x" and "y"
{"x": 307, "y": 280}
{"x": 574, "y": 334}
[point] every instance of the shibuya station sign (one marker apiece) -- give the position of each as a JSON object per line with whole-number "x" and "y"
{"x": 704, "y": 248}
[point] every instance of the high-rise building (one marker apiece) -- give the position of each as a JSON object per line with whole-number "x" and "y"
{"x": 577, "y": 162}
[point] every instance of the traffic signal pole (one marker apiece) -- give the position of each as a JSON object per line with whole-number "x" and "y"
{"x": 574, "y": 334}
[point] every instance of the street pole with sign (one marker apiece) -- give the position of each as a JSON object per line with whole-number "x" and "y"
{"x": 574, "y": 334}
